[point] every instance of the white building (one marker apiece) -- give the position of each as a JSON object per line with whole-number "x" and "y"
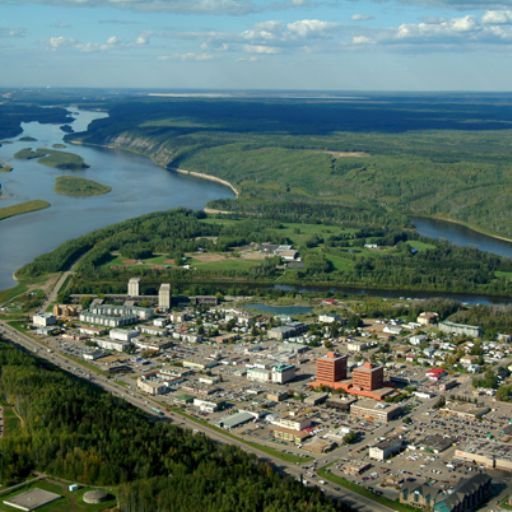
{"x": 258, "y": 374}
{"x": 282, "y": 373}
{"x": 133, "y": 287}
{"x": 123, "y": 335}
{"x": 43, "y": 320}
{"x": 386, "y": 449}
{"x": 117, "y": 346}
{"x": 164, "y": 297}
{"x": 329, "y": 318}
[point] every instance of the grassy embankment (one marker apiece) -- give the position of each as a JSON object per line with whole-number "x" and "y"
{"x": 21, "y": 208}
{"x": 79, "y": 187}
{"x": 51, "y": 158}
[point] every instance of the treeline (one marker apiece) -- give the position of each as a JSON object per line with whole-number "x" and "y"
{"x": 76, "y": 431}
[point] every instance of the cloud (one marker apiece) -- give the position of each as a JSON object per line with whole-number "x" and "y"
{"x": 497, "y": 17}
{"x": 362, "y": 17}
{"x": 307, "y": 28}
{"x": 112, "y": 42}
{"x": 214, "y": 7}
{"x": 188, "y": 57}
{"x": 12, "y": 32}
{"x": 261, "y": 49}
{"x": 361, "y": 40}
{"x": 444, "y": 28}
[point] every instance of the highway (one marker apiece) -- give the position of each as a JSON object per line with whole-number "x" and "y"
{"x": 355, "y": 501}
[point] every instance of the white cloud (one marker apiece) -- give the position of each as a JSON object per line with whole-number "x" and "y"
{"x": 446, "y": 28}
{"x": 307, "y": 28}
{"x": 56, "y": 42}
{"x": 497, "y": 17}
{"x": 362, "y": 17}
{"x": 361, "y": 40}
{"x": 261, "y": 49}
{"x": 188, "y": 57}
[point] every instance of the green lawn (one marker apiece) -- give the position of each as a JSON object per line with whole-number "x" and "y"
{"x": 11, "y": 293}
{"x": 234, "y": 264}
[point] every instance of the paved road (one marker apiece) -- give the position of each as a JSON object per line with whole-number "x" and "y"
{"x": 52, "y": 297}
{"x": 354, "y": 500}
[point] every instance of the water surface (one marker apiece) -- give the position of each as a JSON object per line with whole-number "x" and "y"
{"x": 138, "y": 187}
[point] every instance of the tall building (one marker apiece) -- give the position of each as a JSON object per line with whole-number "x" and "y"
{"x": 331, "y": 368}
{"x": 133, "y": 287}
{"x": 164, "y": 297}
{"x": 368, "y": 377}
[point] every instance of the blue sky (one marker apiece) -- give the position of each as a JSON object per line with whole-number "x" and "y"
{"x": 258, "y": 44}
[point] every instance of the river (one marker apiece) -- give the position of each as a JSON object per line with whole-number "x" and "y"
{"x": 461, "y": 236}
{"x": 138, "y": 186}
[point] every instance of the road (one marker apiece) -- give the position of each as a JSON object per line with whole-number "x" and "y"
{"x": 52, "y": 297}
{"x": 355, "y": 501}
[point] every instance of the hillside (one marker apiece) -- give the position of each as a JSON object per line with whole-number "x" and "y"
{"x": 447, "y": 158}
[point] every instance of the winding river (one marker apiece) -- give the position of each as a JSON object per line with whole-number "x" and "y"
{"x": 138, "y": 186}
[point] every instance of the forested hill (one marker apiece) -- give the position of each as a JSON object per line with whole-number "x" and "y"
{"x": 73, "y": 430}
{"x": 392, "y": 156}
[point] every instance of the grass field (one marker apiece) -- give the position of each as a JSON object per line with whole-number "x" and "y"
{"x": 21, "y": 208}
{"x": 69, "y": 501}
{"x": 11, "y": 293}
{"x": 79, "y": 187}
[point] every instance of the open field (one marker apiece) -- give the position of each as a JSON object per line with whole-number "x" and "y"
{"x": 79, "y": 187}
{"x": 21, "y": 208}
{"x": 69, "y": 501}
{"x": 52, "y": 158}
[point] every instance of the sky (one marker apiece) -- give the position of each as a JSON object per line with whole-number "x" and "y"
{"x": 378, "y": 45}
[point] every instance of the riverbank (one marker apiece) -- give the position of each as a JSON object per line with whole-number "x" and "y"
{"x": 21, "y": 208}
{"x": 208, "y": 177}
{"x": 471, "y": 227}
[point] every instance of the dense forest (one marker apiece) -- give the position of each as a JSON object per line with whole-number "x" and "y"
{"x": 434, "y": 155}
{"x": 76, "y": 431}
{"x": 331, "y": 255}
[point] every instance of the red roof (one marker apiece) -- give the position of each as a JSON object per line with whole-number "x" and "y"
{"x": 436, "y": 372}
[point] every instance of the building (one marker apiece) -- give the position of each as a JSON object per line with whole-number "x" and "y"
{"x": 331, "y": 368}
{"x": 123, "y": 335}
{"x": 289, "y": 330}
{"x": 357, "y": 345}
{"x": 472, "y": 331}
{"x": 107, "y": 321}
{"x": 134, "y": 287}
{"x": 419, "y": 494}
{"x": 282, "y": 373}
{"x": 292, "y": 422}
{"x": 116, "y": 345}
{"x": 257, "y": 374}
{"x": 368, "y": 377}
{"x": 150, "y": 383}
{"x": 43, "y": 320}
{"x": 427, "y": 318}
{"x": 329, "y": 318}
{"x": 490, "y": 454}
{"x": 236, "y": 420}
{"x": 467, "y": 496}
{"x": 164, "y": 297}
{"x": 380, "y": 412}
{"x": 386, "y": 449}
{"x": 287, "y": 434}
{"x": 66, "y": 310}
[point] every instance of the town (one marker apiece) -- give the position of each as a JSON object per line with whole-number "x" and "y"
{"x": 400, "y": 409}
